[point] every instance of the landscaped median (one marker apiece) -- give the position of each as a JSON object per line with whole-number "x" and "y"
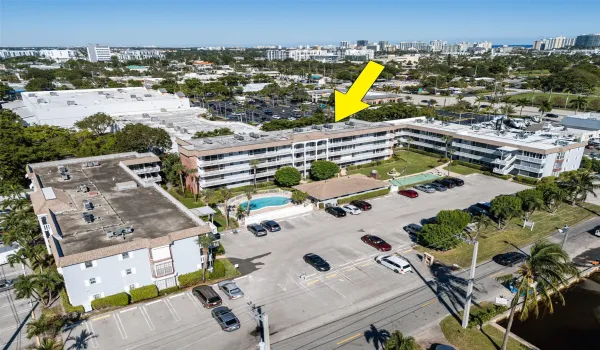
{"x": 222, "y": 269}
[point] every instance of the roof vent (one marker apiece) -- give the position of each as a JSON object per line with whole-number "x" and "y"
{"x": 154, "y": 119}
{"x": 184, "y": 130}
{"x": 351, "y": 123}
{"x": 163, "y": 109}
{"x": 132, "y": 96}
{"x": 254, "y": 135}
{"x": 238, "y": 137}
{"x": 71, "y": 103}
{"x": 169, "y": 125}
{"x": 145, "y": 115}
{"x": 120, "y": 90}
{"x": 317, "y": 127}
{"x": 298, "y": 130}
{"x": 163, "y": 122}
{"x": 147, "y": 95}
{"x": 328, "y": 126}
{"x": 207, "y": 141}
{"x": 41, "y": 100}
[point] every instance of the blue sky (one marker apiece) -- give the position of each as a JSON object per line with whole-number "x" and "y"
{"x": 288, "y": 22}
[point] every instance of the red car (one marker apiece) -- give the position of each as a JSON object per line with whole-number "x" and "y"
{"x": 409, "y": 193}
{"x": 376, "y": 242}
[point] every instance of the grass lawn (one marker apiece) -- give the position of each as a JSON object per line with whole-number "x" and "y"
{"x": 230, "y": 270}
{"x": 414, "y": 163}
{"x": 487, "y": 338}
{"x": 463, "y": 170}
{"x": 219, "y": 221}
{"x": 187, "y": 201}
{"x": 491, "y": 241}
{"x": 529, "y": 96}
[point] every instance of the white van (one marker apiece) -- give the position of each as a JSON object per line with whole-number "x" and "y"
{"x": 395, "y": 263}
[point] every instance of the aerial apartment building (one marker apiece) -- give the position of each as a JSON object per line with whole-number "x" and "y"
{"x": 98, "y": 53}
{"x": 111, "y": 231}
{"x": 532, "y": 154}
{"x": 225, "y": 160}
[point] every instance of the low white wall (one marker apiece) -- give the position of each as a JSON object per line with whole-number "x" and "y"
{"x": 279, "y": 214}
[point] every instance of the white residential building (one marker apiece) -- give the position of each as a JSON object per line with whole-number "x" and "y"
{"x": 59, "y": 55}
{"x": 18, "y": 53}
{"x": 358, "y": 54}
{"x": 437, "y": 45}
{"x": 97, "y": 53}
{"x": 130, "y": 55}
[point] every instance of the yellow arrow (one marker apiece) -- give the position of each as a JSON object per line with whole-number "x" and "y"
{"x": 351, "y": 102}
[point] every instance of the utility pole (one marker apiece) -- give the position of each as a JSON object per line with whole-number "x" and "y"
{"x": 565, "y": 230}
{"x": 467, "y": 309}
{"x": 262, "y": 320}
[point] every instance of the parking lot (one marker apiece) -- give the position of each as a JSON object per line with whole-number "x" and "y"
{"x": 279, "y": 111}
{"x": 13, "y": 313}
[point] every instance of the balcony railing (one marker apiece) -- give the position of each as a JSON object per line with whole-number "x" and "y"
{"x": 529, "y": 168}
{"x": 242, "y": 167}
{"x": 491, "y": 151}
{"x": 531, "y": 159}
{"x": 504, "y": 171}
{"x": 215, "y": 182}
{"x": 505, "y": 161}
{"x": 233, "y": 159}
{"x": 146, "y": 170}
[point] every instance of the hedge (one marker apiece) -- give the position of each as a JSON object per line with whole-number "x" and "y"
{"x": 364, "y": 196}
{"x": 190, "y": 279}
{"x": 193, "y": 278}
{"x": 420, "y": 151}
{"x": 470, "y": 165}
{"x": 119, "y": 299}
{"x": 169, "y": 290}
{"x": 218, "y": 270}
{"x": 143, "y": 293}
{"x": 479, "y": 316}
{"x": 67, "y": 304}
{"x": 503, "y": 177}
{"x": 220, "y": 250}
{"x": 525, "y": 180}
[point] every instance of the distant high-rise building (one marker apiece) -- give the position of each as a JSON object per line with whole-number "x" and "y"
{"x": 569, "y": 42}
{"x": 437, "y": 45}
{"x": 362, "y": 42}
{"x": 556, "y": 43}
{"x": 383, "y": 45}
{"x": 414, "y": 45}
{"x": 344, "y": 44}
{"x": 98, "y": 53}
{"x": 537, "y": 45}
{"x": 588, "y": 41}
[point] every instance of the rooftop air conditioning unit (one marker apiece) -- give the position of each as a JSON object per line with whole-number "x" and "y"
{"x": 145, "y": 115}
{"x": 163, "y": 122}
{"x": 298, "y": 130}
{"x": 207, "y": 141}
{"x": 100, "y": 92}
{"x": 238, "y": 137}
{"x": 178, "y": 128}
{"x": 185, "y": 130}
{"x": 32, "y": 95}
{"x": 53, "y": 93}
{"x": 147, "y": 95}
{"x": 328, "y": 126}
{"x": 71, "y": 103}
{"x": 120, "y": 90}
{"x": 317, "y": 127}
{"x": 350, "y": 123}
{"x": 254, "y": 135}
{"x": 169, "y": 125}
{"x": 139, "y": 98}
{"x": 163, "y": 109}
{"x": 154, "y": 119}
{"x": 132, "y": 96}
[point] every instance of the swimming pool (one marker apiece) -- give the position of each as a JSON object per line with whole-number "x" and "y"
{"x": 264, "y": 202}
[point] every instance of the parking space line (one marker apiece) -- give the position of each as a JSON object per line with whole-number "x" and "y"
{"x": 7, "y": 328}
{"x": 312, "y": 282}
{"x": 331, "y": 276}
{"x": 154, "y": 302}
{"x": 90, "y": 329}
{"x": 133, "y": 308}
{"x": 194, "y": 301}
{"x": 144, "y": 313}
{"x": 120, "y": 326}
{"x": 367, "y": 264}
{"x": 406, "y": 251}
{"x": 100, "y": 317}
{"x": 172, "y": 310}
{"x": 332, "y": 288}
{"x": 174, "y": 296}
{"x": 304, "y": 288}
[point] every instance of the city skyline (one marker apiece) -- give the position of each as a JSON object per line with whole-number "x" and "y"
{"x": 247, "y": 24}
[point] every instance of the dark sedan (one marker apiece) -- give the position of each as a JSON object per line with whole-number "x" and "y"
{"x": 409, "y": 193}
{"x": 457, "y": 181}
{"x": 6, "y": 285}
{"x": 446, "y": 182}
{"x": 226, "y": 318}
{"x": 510, "y": 258}
{"x": 317, "y": 262}
{"x": 336, "y": 211}
{"x": 376, "y": 243}
{"x": 257, "y": 230}
{"x": 270, "y": 226}
{"x": 438, "y": 187}
{"x": 362, "y": 205}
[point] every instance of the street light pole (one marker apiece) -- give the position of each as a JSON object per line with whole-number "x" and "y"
{"x": 467, "y": 309}
{"x": 566, "y": 232}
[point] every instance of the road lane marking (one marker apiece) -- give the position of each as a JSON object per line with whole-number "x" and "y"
{"x": 90, "y": 329}
{"x": 101, "y": 317}
{"x": 331, "y": 276}
{"x": 154, "y": 302}
{"x": 133, "y": 308}
{"x": 144, "y": 313}
{"x": 496, "y": 274}
{"x": 120, "y": 326}
{"x": 349, "y": 339}
{"x": 430, "y": 302}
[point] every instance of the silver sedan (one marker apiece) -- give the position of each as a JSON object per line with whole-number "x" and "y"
{"x": 425, "y": 188}
{"x": 231, "y": 289}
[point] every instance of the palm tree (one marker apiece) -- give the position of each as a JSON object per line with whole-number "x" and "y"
{"x": 409, "y": 140}
{"x": 480, "y": 99}
{"x": 397, "y": 341}
{"x": 447, "y": 139}
{"x": 538, "y": 281}
{"x": 304, "y": 108}
{"x": 579, "y": 102}
{"x": 196, "y": 191}
{"x": 249, "y": 192}
{"x": 460, "y": 97}
{"x": 45, "y": 325}
{"x": 48, "y": 344}
{"x": 379, "y": 337}
{"x": 408, "y": 98}
{"x": 180, "y": 170}
{"x": 577, "y": 185}
{"x": 254, "y": 164}
{"x": 508, "y": 110}
{"x": 545, "y": 107}
{"x": 568, "y": 91}
{"x": 226, "y": 194}
{"x": 481, "y": 222}
{"x": 432, "y": 102}
{"x": 205, "y": 242}
{"x": 522, "y": 102}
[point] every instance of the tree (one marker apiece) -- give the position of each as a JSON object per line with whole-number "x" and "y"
{"x": 42, "y": 287}
{"x": 439, "y": 237}
{"x": 522, "y": 102}
{"x": 552, "y": 195}
{"x": 447, "y": 140}
{"x": 180, "y": 170}
{"x": 254, "y": 164}
{"x": 39, "y": 84}
{"x": 577, "y": 184}
{"x": 504, "y": 208}
{"x": 249, "y": 192}
{"x": 480, "y": 222}
{"x": 480, "y": 99}
{"x": 531, "y": 200}
{"x": 457, "y": 219}
{"x": 5, "y": 91}
{"x": 298, "y": 197}
{"x": 323, "y": 170}
{"x": 45, "y": 325}
{"x": 226, "y": 194}
{"x": 287, "y": 176}
{"x": 397, "y": 341}
{"x": 96, "y": 123}
{"x": 545, "y": 107}
{"x": 538, "y": 281}
{"x": 48, "y": 344}
{"x": 579, "y": 102}
{"x": 205, "y": 242}
{"x": 142, "y": 138}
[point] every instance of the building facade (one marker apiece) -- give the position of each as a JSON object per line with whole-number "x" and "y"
{"x": 103, "y": 234}
{"x": 97, "y": 53}
{"x": 133, "y": 55}
{"x": 587, "y": 41}
{"x": 4, "y": 54}
{"x": 59, "y": 55}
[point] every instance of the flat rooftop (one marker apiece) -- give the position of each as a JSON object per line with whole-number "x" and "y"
{"x": 146, "y": 209}
{"x": 288, "y": 136}
{"x": 184, "y": 123}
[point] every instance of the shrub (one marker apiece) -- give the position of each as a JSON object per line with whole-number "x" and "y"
{"x": 143, "y": 293}
{"x": 323, "y": 170}
{"x": 454, "y": 218}
{"x": 479, "y": 316}
{"x": 287, "y": 176}
{"x": 220, "y": 250}
{"x": 503, "y": 177}
{"x": 525, "y": 180}
{"x": 119, "y": 299}
{"x": 299, "y": 197}
{"x": 67, "y": 304}
{"x": 363, "y": 196}
{"x": 218, "y": 270}
{"x": 169, "y": 290}
{"x": 190, "y": 279}
{"x": 322, "y": 205}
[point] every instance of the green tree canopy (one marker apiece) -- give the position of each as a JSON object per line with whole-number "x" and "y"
{"x": 142, "y": 138}
{"x": 457, "y": 219}
{"x": 98, "y": 123}
{"x": 287, "y": 176}
{"x": 323, "y": 170}
{"x": 531, "y": 200}
{"x": 439, "y": 237}
{"x": 504, "y": 208}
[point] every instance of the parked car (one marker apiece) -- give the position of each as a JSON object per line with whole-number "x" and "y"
{"x": 510, "y": 258}
{"x": 6, "y": 285}
{"x": 425, "y": 188}
{"x": 376, "y": 243}
{"x": 207, "y": 296}
{"x": 226, "y": 318}
{"x": 446, "y": 183}
{"x": 231, "y": 289}
{"x": 437, "y": 187}
{"x": 412, "y": 229}
{"x": 394, "y": 263}
{"x": 276, "y": 116}
{"x": 257, "y": 230}
{"x": 457, "y": 181}
{"x": 349, "y": 208}
{"x": 551, "y": 115}
{"x": 409, "y": 193}
{"x": 317, "y": 262}
{"x": 270, "y": 226}
{"x": 268, "y": 111}
{"x": 336, "y": 211}
{"x": 362, "y": 205}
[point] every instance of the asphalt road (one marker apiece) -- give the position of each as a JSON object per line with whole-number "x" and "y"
{"x": 13, "y": 313}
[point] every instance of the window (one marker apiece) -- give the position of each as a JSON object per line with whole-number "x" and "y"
{"x": 97, "y": 296}
{"x": 92, "y": 281}
{"x": 128, "y": 272}
{"x": 88, "y": 264}
{"x": 125, "y": 256}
